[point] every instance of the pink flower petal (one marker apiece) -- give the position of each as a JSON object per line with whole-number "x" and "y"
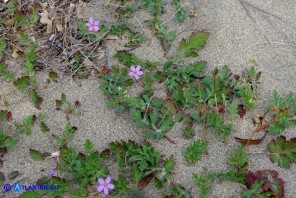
{"x": 90, "y": 28}
{"x": 91, "y": 21}
{"x": 108, "y": 179}
{"x": 101, "y": 181}
{"x": 88, "y": 24}
{"x": 96, "y": 28}
{"x": 133, "y": 68}
{"x": 110, "y": 186}
{"x": 106, "y": 191}
{"x": 131, "y": 74}
{"x": 136, "y": 77}
{"x": 96, "y": 23}
{"x": 138, "y": 68}
{"x": 140, "y": 73}
{"x": 100, "y": 188}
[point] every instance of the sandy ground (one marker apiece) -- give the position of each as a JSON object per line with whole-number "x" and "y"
{"x": 236, "y": 37}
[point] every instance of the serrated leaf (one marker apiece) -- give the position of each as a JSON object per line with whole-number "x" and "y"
{"x": 238, "y": 157}
{"x": 121, "y": 185}
{"x": 282, "y": 152}
{"x": 136, "y": 173}
{"x": 5, "y": 73}
{"x": 196, "y": 42}
{"x": 22, "y": 83}
{"x": 88, "y": 146}
{"x": 275, "y": 128}
{"x": 195, "y": 151}
{"x": 36, "y": 155}
{"x": 169, "y": 164}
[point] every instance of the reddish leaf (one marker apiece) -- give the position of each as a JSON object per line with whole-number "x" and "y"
{"x": 2, "y": 177}
{"x": 221, "y": 110}
{"x": 103, "y": 71}
{"x": 273, "y": 183}
{"x": 242, "y": 110}
{"x": 7, "y": 115}
{"x": 146, "y": 180}
{"x": 77, "y": 104}
{"x": 250, "y": 179}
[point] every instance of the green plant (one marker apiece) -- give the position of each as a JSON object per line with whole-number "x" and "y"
{"x": 195, "y": 150}
{"x": 282, "y": 152}
{"x": 204, "y": 183}
{"x": 263, "y": 183}
{"x": 195, "y": 42}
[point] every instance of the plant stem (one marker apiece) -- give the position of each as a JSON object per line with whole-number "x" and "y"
{"x": 156, "y": 14}
{"x": 215, "y": 93}
{"x": 199, "y": 93}
{"x": 257, "y": 130}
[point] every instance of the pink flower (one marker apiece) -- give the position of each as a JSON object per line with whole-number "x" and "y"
{"x": 93, "y": 25}
{"x": 105, "y": 185}
{"x": 135, "y": 72}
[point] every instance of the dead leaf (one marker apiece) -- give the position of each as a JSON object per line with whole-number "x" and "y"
{"x": 58, "y": 25}
{"x": 44, "y": 5}
{"x": 14, "y": 53}
{"x": 257, "y": 120}
{"x": 112, "y": 37}
{"x": 242, "y": 110}
{"x": 45, "y": 20}
{"x": 250, "y": 142}
{"x": 88, "y": 64}
{"x": 146, "y": 180}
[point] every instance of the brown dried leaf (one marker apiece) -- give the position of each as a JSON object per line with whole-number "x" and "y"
{"x": 250, "y": 142}
{"x": 146, "y": 180}
{"x": 58, "y": 25}
{"x": 45, "y": 20}
{"x": 14, "y": 53}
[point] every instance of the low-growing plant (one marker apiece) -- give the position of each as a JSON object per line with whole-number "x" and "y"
{"x": 194, "y": 151}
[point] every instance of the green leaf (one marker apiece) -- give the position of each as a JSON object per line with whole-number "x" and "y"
{"x": 121, "y": 185}
{"x": 232, "y": 110}
{"x": 195, "y": 150}
{"x": 136, "y": 173}
{"x": 30, "y": 194}
{"x": 196, "y": 42}
{"x": 53, "y": 76}
{"x": 204, "y": 183}
{"x": 169, "y": 164}
{"x": 88, "y": 146}
{"x": 22, "y": 83}
{"x": 2, "y": 45}
{"x": 275, "y": 128}
{"x": 282, "y": 152}
{"x": 4, "y": 73}
{"x": 36, "y": 155}
{"x": 13, "y": 175}
{"x": 238, "y": 157}
{"x": 11, "y": 7}
{"x": 10, "y": 143}
{"x": 33, "y": 18}
{"x": 78, "y": 193}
